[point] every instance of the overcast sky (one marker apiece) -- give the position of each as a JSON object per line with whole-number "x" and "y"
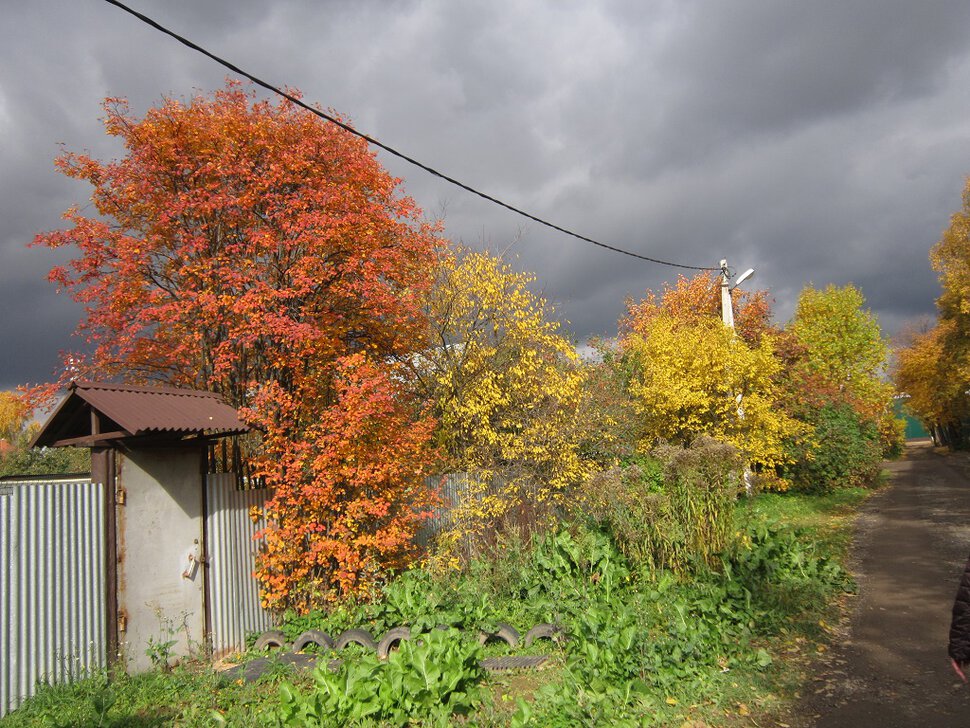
{"x": 818, "y": 142}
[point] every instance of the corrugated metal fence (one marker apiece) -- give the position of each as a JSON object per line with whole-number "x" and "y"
{"x": 455, "y": 488}
{"x": 52, "y": 580}
{"x": 233, "y": 591}
{"x": 458, "y": 489}
{"x": 51, "y": 584}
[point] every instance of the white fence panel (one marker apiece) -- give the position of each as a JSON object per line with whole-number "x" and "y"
{"x": 52, "y": 616}
{"x": 235, "y": 609}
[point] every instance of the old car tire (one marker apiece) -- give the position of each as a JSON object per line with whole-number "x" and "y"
{"x": 271, "y": 640}
{"x": 504, "y": 632}
{"x": 543, "y": 631}
{"x": 313, "y": 637}
{"x": 358, "y": 637}
{"x": 392, "y": 638}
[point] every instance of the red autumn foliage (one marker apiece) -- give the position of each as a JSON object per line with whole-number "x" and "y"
{"x": 692, "y": 299}
{"x": 253, "y": 250}
{"x": 349, "y": 496}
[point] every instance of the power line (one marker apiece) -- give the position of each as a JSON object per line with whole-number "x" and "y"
{"x": 390, "y": 150}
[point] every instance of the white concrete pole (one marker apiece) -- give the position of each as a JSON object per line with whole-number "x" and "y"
{"x": 727, "y": 305}
{"x": 727, "y": 316}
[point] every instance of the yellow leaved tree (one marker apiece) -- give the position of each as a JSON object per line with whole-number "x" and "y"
{"x": 934, "y": 368}
{"x": 693, "y": 378}
{"x": 18, "y": 458}
{"x": 505, "y": 385}
{"x": 12, "y": 417}
{"x": 927, "y": 369}
{"x": 844, "y": 345}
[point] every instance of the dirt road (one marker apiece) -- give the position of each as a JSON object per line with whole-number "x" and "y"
{"x": 890, "y": 668}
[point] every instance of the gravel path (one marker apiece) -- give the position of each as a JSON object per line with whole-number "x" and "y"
{"x": 890, "y": 668}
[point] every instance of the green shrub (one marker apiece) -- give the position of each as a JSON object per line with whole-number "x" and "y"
{"x": 845, "y": 452}
{"x": 45, "y": 461}
{"x": 567, "y": 572}
{"x": 627, "y": 655}
{"x": 783, "y": 569}
{"x": 603, "y": 682}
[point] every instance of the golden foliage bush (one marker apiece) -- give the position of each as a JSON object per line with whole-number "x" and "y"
{"x": 505, "y": 386}
{"x": 698, "y": 378}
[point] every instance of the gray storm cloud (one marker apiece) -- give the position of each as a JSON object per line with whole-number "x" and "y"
{"x": 818, "y": 142}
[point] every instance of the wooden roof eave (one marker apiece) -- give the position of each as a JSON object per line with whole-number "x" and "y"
{"x": 57, "y": 414}
{"x": 101, "y": 438}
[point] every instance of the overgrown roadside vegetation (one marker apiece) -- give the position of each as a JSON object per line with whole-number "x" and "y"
{"x": 710, "y": 643}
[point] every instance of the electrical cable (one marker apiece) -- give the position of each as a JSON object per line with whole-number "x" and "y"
{"x": 390, "y": 150}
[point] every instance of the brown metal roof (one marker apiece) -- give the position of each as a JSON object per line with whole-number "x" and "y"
{"x": 128, "y": 411}
{"x": 160, "y": 409}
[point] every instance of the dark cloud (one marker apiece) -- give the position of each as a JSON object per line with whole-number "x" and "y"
{"x": 733, "y": 73}
{"x": 822, "y": 142}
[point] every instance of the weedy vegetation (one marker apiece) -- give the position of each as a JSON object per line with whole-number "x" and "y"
{"x": 651, "y": 636}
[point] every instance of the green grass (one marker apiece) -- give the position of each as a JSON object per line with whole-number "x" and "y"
{"x": 825, "y": 519}
{"x": 710, "y": 648}
{"x": 186, "y": 696}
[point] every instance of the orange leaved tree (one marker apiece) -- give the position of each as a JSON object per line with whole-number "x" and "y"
{"x": 251, "y": 249}
{"x": 698, "y": 300}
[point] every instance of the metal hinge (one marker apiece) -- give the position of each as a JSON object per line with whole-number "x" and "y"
{"x": 120, "y": 495}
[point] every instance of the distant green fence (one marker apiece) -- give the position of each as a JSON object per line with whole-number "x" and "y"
{"x": 914, "y": 429}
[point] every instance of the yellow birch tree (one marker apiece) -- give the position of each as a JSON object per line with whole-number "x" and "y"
{"x": 505, "y": 385}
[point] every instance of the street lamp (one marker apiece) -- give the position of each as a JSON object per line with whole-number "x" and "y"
{"x": 743, "y": 277}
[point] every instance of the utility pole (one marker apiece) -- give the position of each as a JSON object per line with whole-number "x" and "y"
{"x": 727, "y": 305}
{"x": 727, "y": 316}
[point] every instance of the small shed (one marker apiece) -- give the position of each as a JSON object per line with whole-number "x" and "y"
{"x": 148, "y": 448}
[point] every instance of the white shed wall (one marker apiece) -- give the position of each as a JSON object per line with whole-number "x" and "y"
{"x": 159, "y": 526}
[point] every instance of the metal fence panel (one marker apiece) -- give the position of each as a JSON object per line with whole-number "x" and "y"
{"x": 456, "y": 489}
{"x": 234, "y": 609}
{"x": 460, "y": 489}
{"x": 52, "y": 609}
